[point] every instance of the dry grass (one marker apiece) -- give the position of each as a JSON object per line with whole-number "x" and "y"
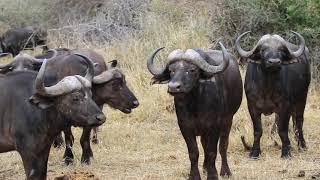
{"x": 147, "y": 143}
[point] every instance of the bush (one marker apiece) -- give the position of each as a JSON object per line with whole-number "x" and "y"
{"x": 98, "y": 21}
{"x": 274, "y": 17}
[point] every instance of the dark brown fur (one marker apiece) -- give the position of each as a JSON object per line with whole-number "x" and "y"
{"x": 272, "y": 86}
{"x": 205, "y": 107}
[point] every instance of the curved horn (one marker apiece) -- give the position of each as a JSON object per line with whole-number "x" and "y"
{"x": 226, "y": 58}
{"x": 55, "y": 53}
{"x": 302, "y": 46}
{"x": 4, "y": 55}
{"x": 7, "y": 65}
{"x": 66, "y": 85}
{"x": 152, "y": 69}
{"x": 39, "y": 82}
{"x": 90, "y": 71}
{"x": 103, "y": 77}
{"x": 241, "y": 51}
{"x": 195, "y": 58}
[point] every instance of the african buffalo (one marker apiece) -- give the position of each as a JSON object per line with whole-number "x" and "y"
{"x": 108, "y": 86}
{"x": 32, "y": 114}
{"x": 277, "y": 81}
{"x": 207, "y": 91}
{"x": 15, "y": 40}
{"x": 24, "y": 61}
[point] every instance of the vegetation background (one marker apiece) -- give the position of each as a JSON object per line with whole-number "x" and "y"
{"x": 147, "y": 143}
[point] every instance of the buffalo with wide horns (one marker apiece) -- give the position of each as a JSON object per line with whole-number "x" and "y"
{"x": 207, "y": 91}
{"x": 277, "y": 81}
{"x": 32, "y": 113}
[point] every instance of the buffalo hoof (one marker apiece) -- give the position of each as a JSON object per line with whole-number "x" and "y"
{"x": 68, "y": 161}
{"x": 205, "y": 167}
{"x": 194, "y": 177}
{"x": 95, "y": 141}
{"x": 225, "y": 172}
{"x": 302, "y": 145}
{"x": 86, "y": 160}
{"x": 212, "y": 177}
{"x": 286, "y": 154}
{"x": 58, "y": 142}
{"x": 68, "y": 156}
{"x": 254, "y": 153}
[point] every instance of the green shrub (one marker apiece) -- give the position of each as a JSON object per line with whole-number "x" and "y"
{"x": 275, "y": 17}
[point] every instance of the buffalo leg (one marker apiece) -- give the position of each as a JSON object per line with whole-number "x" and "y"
{"x": 212, "y": 154}
{"x": 257, "y": 132}
{"x": 85, "y": 144}
{"x": 95, "y": 131}
{"x": 275, "y": 124}
{"x": 68, "y": 155}
{"x": 35, "y": 165}
{"x": 223, "y": 147}
{"x": 298, "y": 119}
{"x": 190, "y": 139}
{"x": 58, "y": 141}
{"x": 204, "y": 142}
{"x": 283, "y": 133}
{"x": 95, "y": 135}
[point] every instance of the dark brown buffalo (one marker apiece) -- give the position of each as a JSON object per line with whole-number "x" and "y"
{"x": 15, "y": 40}
{"x": 23, "y": 62}
{"x": 109, "y": 86}
{"x": 207, "y": 91}
{"x": 277, "y": 81}
{"x": 32, "y": 114}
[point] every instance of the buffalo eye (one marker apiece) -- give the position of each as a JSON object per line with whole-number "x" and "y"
{"x": 10, "y": 68}
{"x": 192, "y": 70}
{"x": 116, "y": 85}
{"x": 77, "y": 98}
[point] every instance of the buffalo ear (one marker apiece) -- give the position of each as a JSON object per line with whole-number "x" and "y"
{"x": 36, "y": 66}
{"x": 114, "y": 63}
{"x": 256, "y": 55}
{"x": 286, "y": 55}
{"x": 161, "y": 79}
{"x": 206, "y": 77}
{"x": 40, "y": 102}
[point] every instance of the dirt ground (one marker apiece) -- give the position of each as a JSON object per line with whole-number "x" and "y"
{"x": 153, "y": 148}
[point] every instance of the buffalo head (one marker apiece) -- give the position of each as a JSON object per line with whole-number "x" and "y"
{"x": 24, "y": 62}
{"x": 71, "y": 97}
{"x": 41, "y": 35}
{"x": 184, "y": 70}
{"x": 272, "y": 51}
{"x": 111, "y": 87}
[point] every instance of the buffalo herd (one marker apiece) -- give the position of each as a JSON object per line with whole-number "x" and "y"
{"x": 44, "y": 95}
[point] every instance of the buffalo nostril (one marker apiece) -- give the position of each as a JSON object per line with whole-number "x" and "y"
{"x": 136, "y": 103}
{"x": 174, "y": 86}
{"x": 274, "y": 61}
{"x": 101, "y": 117}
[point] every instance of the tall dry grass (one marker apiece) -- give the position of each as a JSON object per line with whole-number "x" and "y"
{"x": 147, "y": 143}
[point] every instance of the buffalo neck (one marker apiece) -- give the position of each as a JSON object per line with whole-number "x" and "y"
{"x": 205, "y": 97}
{"x": 267, "y": 83}
{"x": 95, "y": 95}
{"x": 51, "y": 122}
